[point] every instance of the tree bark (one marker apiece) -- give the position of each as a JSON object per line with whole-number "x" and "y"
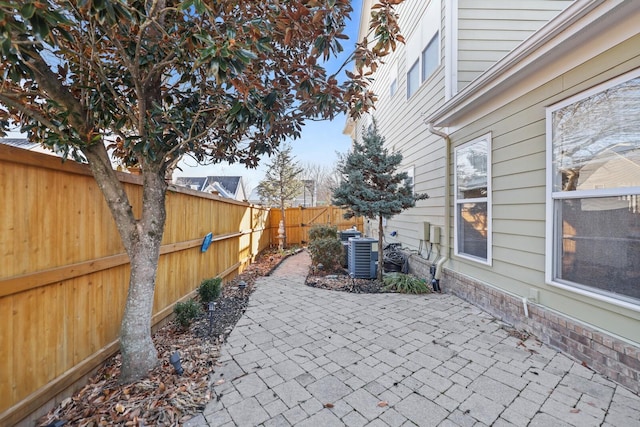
{"x": 142, "y": 239}
{"x": 139, "y": 355}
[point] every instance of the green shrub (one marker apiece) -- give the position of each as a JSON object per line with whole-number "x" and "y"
{"x": 327, "y": 251}
{"x": 405, "y": 284}
{"x": 210, "y": 289}
{"x": 186, "y": 312}
{"x": 323, "y": 232}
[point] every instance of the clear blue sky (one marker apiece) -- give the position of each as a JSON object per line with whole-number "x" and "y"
{"x": 320, "y": 139}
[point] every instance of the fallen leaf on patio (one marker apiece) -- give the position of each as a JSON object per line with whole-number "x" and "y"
{"x": 383, "y": 403}
{"x": 328, "y": 405}
{"x": 220, "y": 381}
{"x": 119, "y": 408}
{"x": 574, "y": 410}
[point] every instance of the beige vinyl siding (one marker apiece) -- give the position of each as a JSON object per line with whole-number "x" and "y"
{"x": 400, "y": 122}
{"x": 488, "y": 30}
{"x": 519, "y": 198}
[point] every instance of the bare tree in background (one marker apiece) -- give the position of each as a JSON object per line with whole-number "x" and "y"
{"x": 318, "y": 193}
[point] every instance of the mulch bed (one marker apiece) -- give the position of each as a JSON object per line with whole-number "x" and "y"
{"x": 167, "y": 399}
{"x": 164, "y": 398}
{"x": 341, "y": 281}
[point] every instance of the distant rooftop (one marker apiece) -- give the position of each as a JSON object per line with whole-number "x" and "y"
{"x": 227, "y": 186}
{"x": 18, "y": 142}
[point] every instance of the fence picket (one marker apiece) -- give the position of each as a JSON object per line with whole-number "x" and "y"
{"x": 64, "y": 274}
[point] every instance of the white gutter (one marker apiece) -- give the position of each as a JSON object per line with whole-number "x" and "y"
{"x": 447, "y": 202}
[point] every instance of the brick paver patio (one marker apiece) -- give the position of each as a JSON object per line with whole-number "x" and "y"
{"x": 312, "y": 357}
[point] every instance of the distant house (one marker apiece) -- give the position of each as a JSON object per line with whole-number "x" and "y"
{"x": 230, "y": 187}
{"x": 254, "y": 197}
{"x": 521, "y": 120}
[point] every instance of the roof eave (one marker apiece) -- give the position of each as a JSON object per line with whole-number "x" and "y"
{"x": 548, "y": 43}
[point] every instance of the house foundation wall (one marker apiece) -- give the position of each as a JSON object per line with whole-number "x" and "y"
{"x": 606, "y": 354}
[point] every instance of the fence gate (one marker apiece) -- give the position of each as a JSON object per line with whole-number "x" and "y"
{"x": 300, "y": 220}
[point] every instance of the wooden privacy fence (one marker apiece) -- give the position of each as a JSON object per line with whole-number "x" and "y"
{"x": 64, "y": 273}
{"x": 298, "y": 222}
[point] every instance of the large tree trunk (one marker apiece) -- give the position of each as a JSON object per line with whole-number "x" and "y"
{"x": 142, "y": 239}
{"x": 380, "y": 249}
{"x": 139, "y": 355}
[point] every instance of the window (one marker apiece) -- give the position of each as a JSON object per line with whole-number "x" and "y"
{"x": 473, "y": 200}
{"x": 430, "y": 58}
{"x": 593, "y": 216}
{"x": 413, "y": 79}
{"x": 423, "y": 48}
{"x": 393, "y": 77}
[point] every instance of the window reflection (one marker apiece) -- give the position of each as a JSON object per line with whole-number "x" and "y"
{"x": 472, "y": 229}
{"x": 471, "y": 171}
{"x": 472, "y": 199}
{"x": 595, "y": 140}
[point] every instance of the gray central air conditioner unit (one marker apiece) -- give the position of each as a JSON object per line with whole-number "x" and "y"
{"x": 363, "y": 257}
{"x": 345, "y": 234}
{"x": 344, "y": 239}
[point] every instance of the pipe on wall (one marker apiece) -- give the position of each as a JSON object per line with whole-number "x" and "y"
{"x": 447, "y": 201}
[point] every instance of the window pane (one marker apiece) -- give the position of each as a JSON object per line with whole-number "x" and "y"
{"x": 600, "y": 243}
{"x": 596, "y": 141}
{"x": 471, "y": 170}
{"x": 413, "y": 79}
{"x": 430, "y": 58}
{"x": 472, "y": 229}
{"x": 393, "y": 87}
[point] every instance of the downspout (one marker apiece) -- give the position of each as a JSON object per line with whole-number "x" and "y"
{"x": 444, "y": 255}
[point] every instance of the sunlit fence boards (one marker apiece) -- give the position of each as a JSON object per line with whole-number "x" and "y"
{"x": 298, "y": 221}
{"x": 64, "y": 274}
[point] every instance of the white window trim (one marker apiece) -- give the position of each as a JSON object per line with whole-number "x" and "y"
{"x": 551, "y": 195}
{"x": 489, "y": 261}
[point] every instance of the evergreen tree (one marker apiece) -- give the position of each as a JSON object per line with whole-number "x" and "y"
{"x": 370, "y": 186}
{"x": 281, "y": 183}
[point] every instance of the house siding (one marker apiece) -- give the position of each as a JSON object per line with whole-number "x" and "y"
{"x": 603, "y": 334}
{"x": 489, "y": 29}
{"x": 519, "y": 165}
{"x": 400, "y": 121}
